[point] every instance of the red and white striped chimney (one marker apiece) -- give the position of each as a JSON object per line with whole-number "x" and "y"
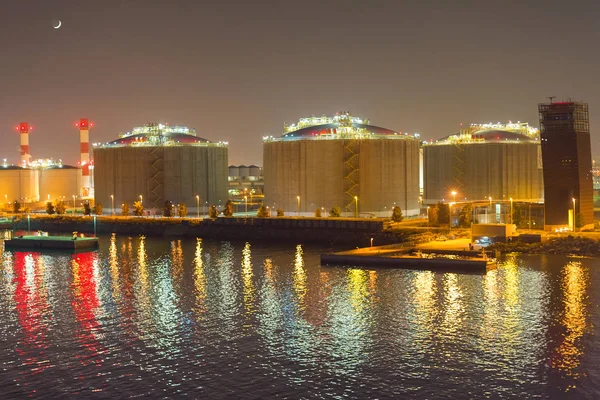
{"x": 84, "y": 157}
{"x": 23, "y": 129}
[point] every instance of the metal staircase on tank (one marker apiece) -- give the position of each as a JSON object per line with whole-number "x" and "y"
{"x": 351, "y": 173}
{"x": 156, "y": 177}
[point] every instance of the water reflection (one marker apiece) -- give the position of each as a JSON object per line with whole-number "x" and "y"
{"x": 247, "y": 275}
{"x": 176, "y": 318}
{"x": 574, "y": 318}
{"x": 299, "y": 277}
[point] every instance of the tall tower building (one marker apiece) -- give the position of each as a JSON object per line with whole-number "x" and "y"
{"x": 84, "y": 157}
{"x": 23, "y": 129}
{"x": 567, "y": 159}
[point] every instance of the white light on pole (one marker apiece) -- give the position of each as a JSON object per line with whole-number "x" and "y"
{"x": 356, "y": 207}
{"x": 112, "y": 202}
{"x": 574, "y": 223}
{"x": 141, "y": 199}
{"x": 298, "y": 198}
{"x": 198, "y": 206}
{"x": 511, "y": 208}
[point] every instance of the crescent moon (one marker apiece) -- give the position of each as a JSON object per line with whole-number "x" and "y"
{"x": 57, "y": 26}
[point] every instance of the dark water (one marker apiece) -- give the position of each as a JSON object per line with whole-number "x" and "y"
{"x": 157, "y": 318}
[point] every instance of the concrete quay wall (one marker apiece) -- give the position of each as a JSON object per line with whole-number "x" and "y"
{"x": 355, "y": 232}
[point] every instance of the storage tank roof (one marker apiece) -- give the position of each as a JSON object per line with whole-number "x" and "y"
{"x": 310, "y": 131}
{"x": 488, "y": 136}
{"x": 172, "y": 137}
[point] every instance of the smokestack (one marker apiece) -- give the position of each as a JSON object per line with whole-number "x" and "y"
{"x": 24, "y": 134}
{"x": 84, "y": 157}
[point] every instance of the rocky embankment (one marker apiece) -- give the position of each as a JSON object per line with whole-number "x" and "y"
{"x": 564, "y": 245}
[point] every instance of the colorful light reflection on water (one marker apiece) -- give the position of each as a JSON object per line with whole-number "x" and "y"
{"x": 164, "y": 318}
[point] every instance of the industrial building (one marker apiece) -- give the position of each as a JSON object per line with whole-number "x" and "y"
{"x": 155, "y": 162}
{"x": 484, "y": 162}
{"x": 36, "y": 181}
{"x": 341, "y": 161}
{"x": 244, "y": 178}
{"x": 567, "y": 156}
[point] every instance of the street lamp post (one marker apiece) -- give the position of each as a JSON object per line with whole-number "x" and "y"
{"x": 574, "y": 219}
{"x": 428, "y": 216}
{"x": 490, "y": 208}
{"x": 73, "y": 201}
{"x": 450, "y": 216}
{"x": 197, "y": 206}
{"x": 529, "y": 223}
{"x": 246, "y": 200}
{"x": 112, "y": 202}
{"x": 141, "y": 199}
{"x": 298, "y": 198}
{"x": 511, "y": 208}
{"x": 356, "y": 208}
{"x": 454, "y": 196}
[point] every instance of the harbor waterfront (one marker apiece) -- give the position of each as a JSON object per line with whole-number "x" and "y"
{"x": 156, "y": 317}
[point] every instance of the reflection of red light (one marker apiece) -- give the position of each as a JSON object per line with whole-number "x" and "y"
{"x": 85, "y": 302}
{"x": 32, "y": 310}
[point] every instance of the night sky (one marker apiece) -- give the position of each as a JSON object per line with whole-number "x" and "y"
{"x": 237, "y": 70}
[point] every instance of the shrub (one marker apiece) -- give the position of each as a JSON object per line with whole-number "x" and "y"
{"x": 138, "y": 208}
{"x": 87, "y": 210}
{"x": 397, "y": 214}
{"x": 61, "y": 208}
{"x": 213, "y": 212}
{"x": 318, "y": 213}
{"x": 98, "y": 209}
{"x": 262, "y": 212}
{"x": 16, "y": 206}
{"x": 280, "y": 212}
{"x": 181, "y": 210}
{"x": 335, "y": 212}
{"x": 228, "y": 210}
{"x": 125, "y": 209}
{"x": 168, "y": 209}
{"x": 50, "y": 208}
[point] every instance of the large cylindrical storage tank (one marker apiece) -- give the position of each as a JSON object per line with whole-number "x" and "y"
{"x": 18, "y": 183}
{"x": 341, "y": 161}
{"x": 244, "y": 171}
{"x": 234, "y": 171}
{"x": 60, "y": 182}
{"x": 501, "y": 164}
{"x": 161, "y": 163}
{"x": 254, "y": 171}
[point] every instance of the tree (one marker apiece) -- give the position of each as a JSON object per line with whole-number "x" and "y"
{"x": 397, "y": 214}
{"x": 125, "y": 209}
{"x": 318, "y": 213}
{"x": 262, "y": 212}
{"x": 138, "y": 208}
{"x": 213, "y": 212}
{"x": 87, "y": 210}
{"x": 434, "y": 215}
{"x": 280, "y": 212}
{"x": 443, "y": 213}
{"x": 228, "y": 210}
{"x": 168, "y": 209}
{"x": 335, "y": 212}
{"x": 465, "y": 219}
{"x": 16, "y": 206}
{"x": 98, "y": 209}
{"x": 181, "y": 210}
{"x": 60, "y": 207}
{"x": 50, "y": 208}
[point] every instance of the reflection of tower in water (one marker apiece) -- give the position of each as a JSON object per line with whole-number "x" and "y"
{"x": 575, "y": 318}
{"x": 199, "y": 278}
